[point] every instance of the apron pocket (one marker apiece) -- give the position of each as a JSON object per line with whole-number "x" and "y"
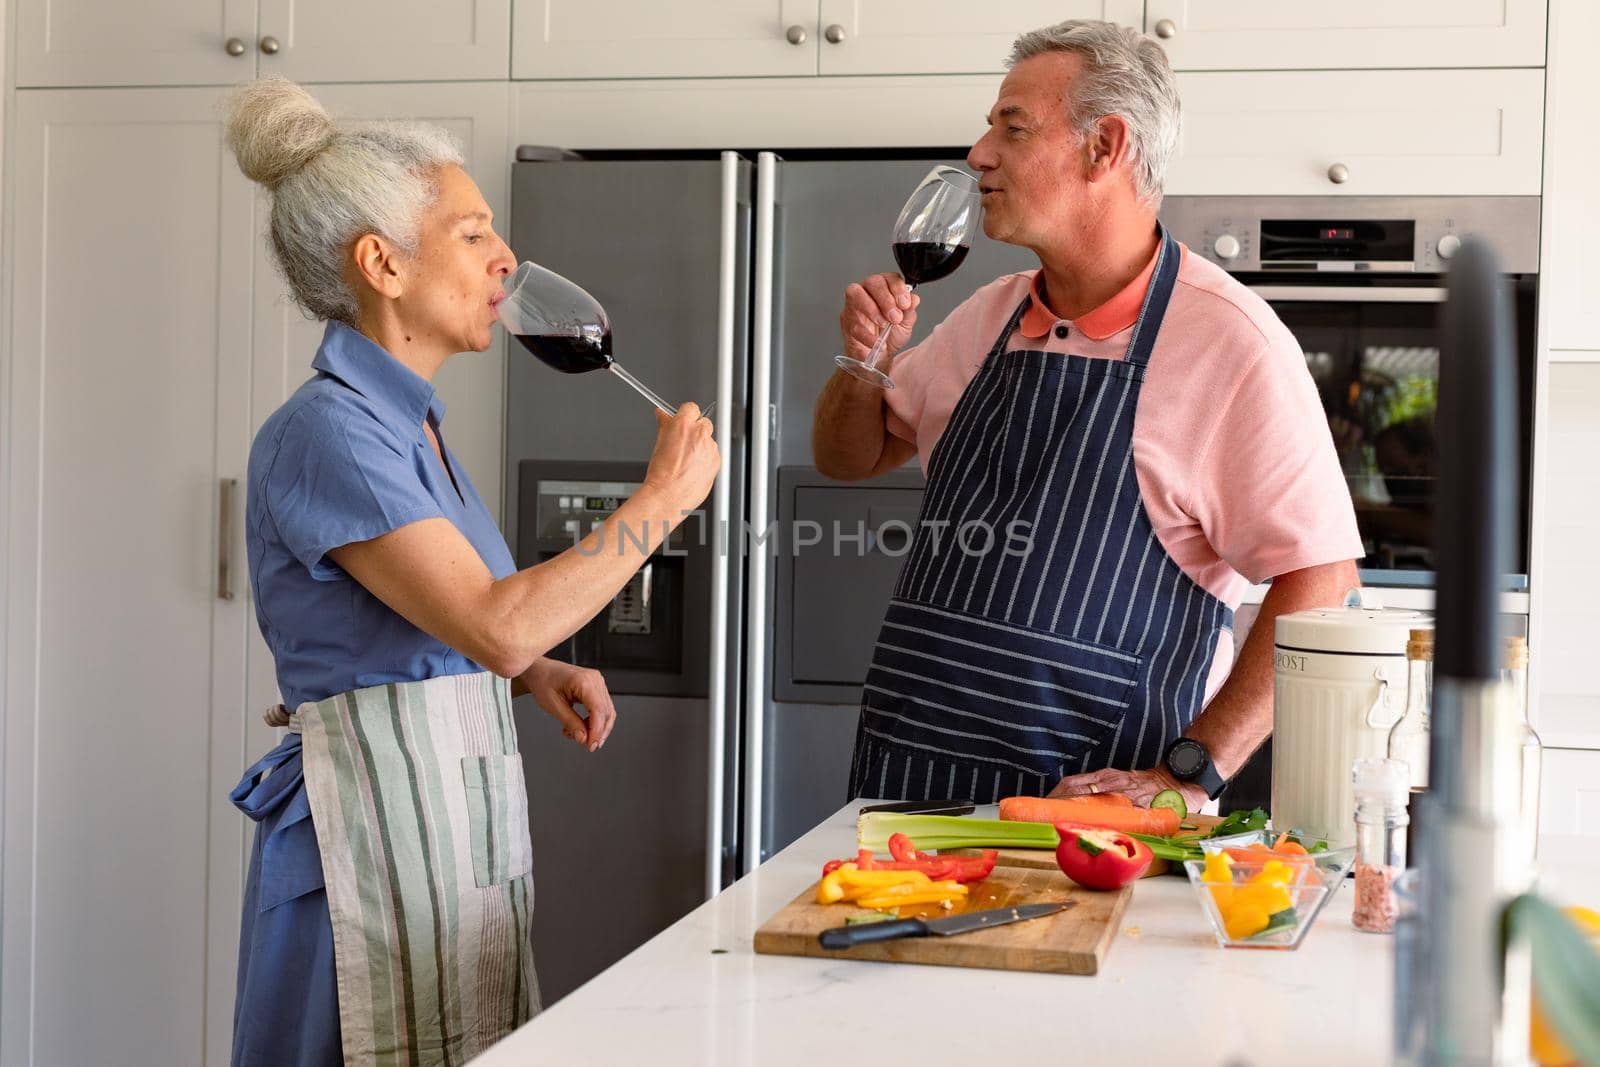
{"x": 497, "y": 814}
{"x": 969, "y": 688}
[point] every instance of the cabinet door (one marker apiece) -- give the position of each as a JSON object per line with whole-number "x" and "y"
{"x": 1273, "y": 35}
{"x": 124, "y": 703}
{"x": 943, "y": 36}
{"x": 1370, "y": 133}
{"x": 1570, "y": 787}
{"x": 153, "y": 42}
{"x": 648, "y": 39}
{"x": 378, "y": 40}
{"x": 1571, "y": 205}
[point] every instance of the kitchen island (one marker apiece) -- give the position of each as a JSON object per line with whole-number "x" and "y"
{"x": 698, "y": 994}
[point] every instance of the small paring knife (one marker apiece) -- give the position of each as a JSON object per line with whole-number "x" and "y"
{"x": 865, "y": 933}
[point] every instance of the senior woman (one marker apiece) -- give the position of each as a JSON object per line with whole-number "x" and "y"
{"x": 386, "y": 910}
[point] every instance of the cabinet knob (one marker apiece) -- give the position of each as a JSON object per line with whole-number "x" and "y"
{"x": 1338, "y": 174}
{"x": 270, "y": 46}
{"x": 796, "y": 35}
{"x": 1166, "y": 29}
{"x": 834, "y": 33}
{"x": 234, "y": 47}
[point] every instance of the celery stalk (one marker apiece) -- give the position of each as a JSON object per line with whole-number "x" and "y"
{"x": 936, "y": 833}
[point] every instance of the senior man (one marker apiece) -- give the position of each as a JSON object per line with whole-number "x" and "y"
{"x": 1128, "y": 437}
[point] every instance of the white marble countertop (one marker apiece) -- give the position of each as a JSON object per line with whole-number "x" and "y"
{"x": 697, "y": 994}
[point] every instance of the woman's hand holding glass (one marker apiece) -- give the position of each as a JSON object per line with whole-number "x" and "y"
{"x": 685, "y": 462}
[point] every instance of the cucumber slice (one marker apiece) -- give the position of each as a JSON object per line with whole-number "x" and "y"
{"x": 1171, "y": 798}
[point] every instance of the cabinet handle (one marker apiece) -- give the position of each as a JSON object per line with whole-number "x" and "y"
{"x": 225, "y": 538}
{"x": 234, "y": 47}
{"x": 270, "y": 46}
{"x": 1338, "y": 174}
{"x": 1166, "y": 29}
{"x": 796, "y": 35}
{"x": 834, "y": 34}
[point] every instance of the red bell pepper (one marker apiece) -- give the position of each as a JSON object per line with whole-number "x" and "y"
{"x": 1101, "y": 859}
{"x": 938, "y": 868}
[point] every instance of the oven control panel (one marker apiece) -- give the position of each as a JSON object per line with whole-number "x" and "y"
{"x": 1379, "y": 235}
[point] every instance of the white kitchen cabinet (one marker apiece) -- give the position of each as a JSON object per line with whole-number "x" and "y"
{"x": 943, "y": 36}
{"x": 646, "y": 39}
{"x": 1570, "y": 788}
{"x": 1565, "y": 576}
{"x": 153, "y": 42}
{"x": 379, "y": 40}
{"x": 1347, "y": 34}
{"x": 129, "y": 349}
{"x": 1360, "y": 133}
{"x": 1571, "y": 314}
{"x": 217, "y": 42}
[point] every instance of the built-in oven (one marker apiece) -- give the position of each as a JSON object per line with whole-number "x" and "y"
{"x": 1360, "y": 282}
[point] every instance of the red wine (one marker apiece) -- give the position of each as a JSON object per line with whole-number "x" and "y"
{"x": 925, "y": 261}
{"x": 567, "y": 353}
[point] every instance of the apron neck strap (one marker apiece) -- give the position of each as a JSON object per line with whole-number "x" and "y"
{"x": 1156, "y": 298}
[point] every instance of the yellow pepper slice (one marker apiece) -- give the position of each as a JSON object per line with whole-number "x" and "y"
{"x": 1219, "y": 868}
{"x": 907, "y": 899}
{"x": 831, "y": 888}
{"x": 1269, "y": 897}
{"x": 1274, "y": 872}
{"x": 1244, "y": 920}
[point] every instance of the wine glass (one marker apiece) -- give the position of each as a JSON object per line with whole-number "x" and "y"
{"x": 931, "y": 237}
{"x": 565, "y": 328}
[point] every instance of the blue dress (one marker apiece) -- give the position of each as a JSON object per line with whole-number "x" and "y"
{"x": 345, "y": 459}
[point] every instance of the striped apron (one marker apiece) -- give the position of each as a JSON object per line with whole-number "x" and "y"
{"x": 417, "y": 795}
{"x": 1038, "y": 628}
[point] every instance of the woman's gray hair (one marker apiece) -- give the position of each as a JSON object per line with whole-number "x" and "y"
{"x": 331, "y": 184}
{"x": 1124, "y": 73}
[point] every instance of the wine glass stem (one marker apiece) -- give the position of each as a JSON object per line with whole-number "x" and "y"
{"x": 871, "y": 359}
{"x": 643, "y": 389}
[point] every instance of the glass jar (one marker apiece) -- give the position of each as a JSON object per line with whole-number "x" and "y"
{"x": 1382, "y": 788}
{"x": 1408, "y": 738}
{"x": 1531, "y": 754}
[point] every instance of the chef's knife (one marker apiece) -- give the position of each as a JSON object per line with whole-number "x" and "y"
{"x": 922, "y": 807}
{"x": 889, "y": 929}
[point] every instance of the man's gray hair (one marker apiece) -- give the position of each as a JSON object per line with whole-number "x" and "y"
{"x": 1124, "y": 73}
{"x": 332, "y": 184}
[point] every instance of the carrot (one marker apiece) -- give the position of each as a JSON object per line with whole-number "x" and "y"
{"x": 1114, "y": 800}
{"x": 1161, "y": 822}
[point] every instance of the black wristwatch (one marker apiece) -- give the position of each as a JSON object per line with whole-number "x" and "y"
{"x": 1188, "y": 761}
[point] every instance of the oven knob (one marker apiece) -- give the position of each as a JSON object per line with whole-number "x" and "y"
{"x": 1226, "y": 246}
{"x": 1448, "y": 246}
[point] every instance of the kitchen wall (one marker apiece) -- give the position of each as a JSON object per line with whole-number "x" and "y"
{"x": 128, "y": 659}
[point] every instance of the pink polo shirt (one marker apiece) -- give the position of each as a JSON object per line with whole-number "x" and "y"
{"x": 1230, "y": 442}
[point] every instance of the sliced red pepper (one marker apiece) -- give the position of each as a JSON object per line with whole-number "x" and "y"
{"x": 1101, "y": 859}
{"x": 938, "y": 868}
{"x": 901, "y": 848}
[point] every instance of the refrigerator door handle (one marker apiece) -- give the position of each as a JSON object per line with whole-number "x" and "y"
{"x": 721, "y": 543}
{"x": 755, "y": 637}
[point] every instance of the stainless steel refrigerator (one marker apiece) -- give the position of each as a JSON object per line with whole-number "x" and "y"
{"x": 737, "y": 659}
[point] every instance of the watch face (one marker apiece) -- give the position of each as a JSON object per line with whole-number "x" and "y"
{"x": 1186, "y": 759}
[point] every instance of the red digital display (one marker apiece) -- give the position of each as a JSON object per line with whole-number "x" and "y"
{"x": 1334, "y": 233}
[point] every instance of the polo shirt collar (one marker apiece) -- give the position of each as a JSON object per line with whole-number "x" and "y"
{"x": 1112, "y": 317}
{"x": 401, "y": 396}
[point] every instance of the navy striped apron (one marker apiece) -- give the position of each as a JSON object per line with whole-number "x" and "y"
{"x": 1038, "y": 628}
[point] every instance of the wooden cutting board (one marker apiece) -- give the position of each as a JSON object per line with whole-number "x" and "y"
{"x": 1072, "y": 941}
{"x": 1044, "y": 859}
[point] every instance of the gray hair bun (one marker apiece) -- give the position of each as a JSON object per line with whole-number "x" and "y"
{"x": 275, "y": 128}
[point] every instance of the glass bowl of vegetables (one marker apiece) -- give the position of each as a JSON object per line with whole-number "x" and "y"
{"x": 1256, "y": 896}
